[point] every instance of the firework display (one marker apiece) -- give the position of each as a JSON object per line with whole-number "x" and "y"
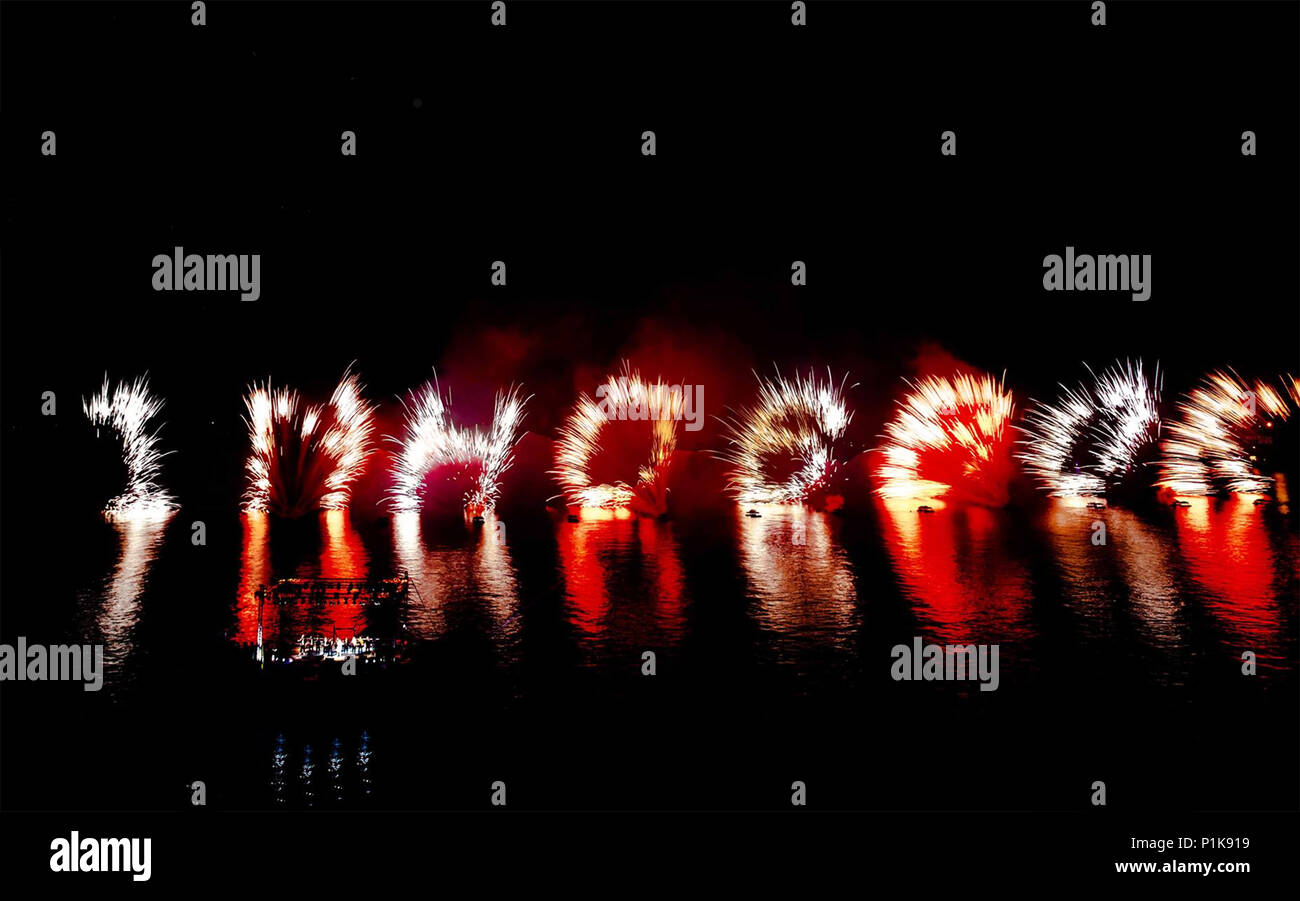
{"x": 948, "y": 439}
{"x": 306, "y": 457}
{"x": 1292, "y": 386}
{"x": 1210, "y": 448}
{"x": 620, "y": 398}
{"x": 519, "y": 408}
{"x": 128, "y": 410}
{"x": 792, "y": 429}
{"x": 1093, "y": 438}
{"x": 431, "y": 440}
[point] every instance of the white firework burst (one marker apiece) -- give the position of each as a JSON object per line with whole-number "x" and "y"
{"x": 306, "y": 457}
{"x": 1092, "y": 438}
{"x": 128, "y": 410}
{"x": 432, "y": 440}
{"x": 796, "y": 423}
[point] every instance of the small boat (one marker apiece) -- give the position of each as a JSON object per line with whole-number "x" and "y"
{"x": 573, "y": 517}
{"x": 1182, "y": 503}
{"x": 478, "y": 520}
{"x": 1096, "y": 505}
{"x": 925, "y": 508}
{"x": 1261, "y": 501}
{"x": 753, "y": 513}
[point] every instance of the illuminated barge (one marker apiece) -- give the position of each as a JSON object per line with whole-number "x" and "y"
{"x": 333, "y": 621}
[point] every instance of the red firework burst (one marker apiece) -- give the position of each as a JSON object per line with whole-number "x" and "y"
{"x": 948, "y": 439}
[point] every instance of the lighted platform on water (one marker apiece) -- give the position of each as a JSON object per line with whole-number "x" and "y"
{"x": 373, "y": 633}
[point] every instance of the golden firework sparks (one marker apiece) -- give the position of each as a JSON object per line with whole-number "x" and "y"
{"x": 1206, "y": 450}
{"x": 621, "y": 397}
{"x": 794, "y": 427}
{"x": 948, "y": 434}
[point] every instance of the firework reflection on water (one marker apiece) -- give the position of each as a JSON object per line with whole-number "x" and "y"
{"x": 624, "y": 584}
{"x": 800, "y": 579}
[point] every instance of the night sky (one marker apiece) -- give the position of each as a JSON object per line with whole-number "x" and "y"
{"x": 523, "y": 144}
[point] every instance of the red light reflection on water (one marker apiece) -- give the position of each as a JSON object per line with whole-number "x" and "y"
{"x": 623, "y": 580}
{"x": 342, "y": 555}
{"x": 1231, "y": 556}
{"x": 956, "y": 566}
{"x": 254, "y": 571}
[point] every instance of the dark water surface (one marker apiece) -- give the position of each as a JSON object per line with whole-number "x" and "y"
{"x": 772, "y": 638}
